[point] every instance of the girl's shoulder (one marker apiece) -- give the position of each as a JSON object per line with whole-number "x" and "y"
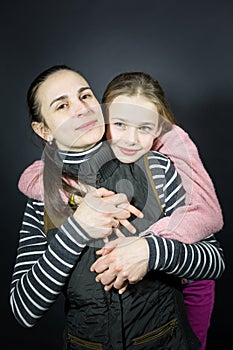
{"x": 157, "y": 160}
{"x": 157, "y": 156}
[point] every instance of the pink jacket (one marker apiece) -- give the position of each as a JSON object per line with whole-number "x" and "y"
{"x": 202, "y": 213}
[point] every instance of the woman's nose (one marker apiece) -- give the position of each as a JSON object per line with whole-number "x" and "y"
{"x": 80, "y": 109}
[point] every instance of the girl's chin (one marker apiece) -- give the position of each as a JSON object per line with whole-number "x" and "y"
{"x": 124, "y": 159}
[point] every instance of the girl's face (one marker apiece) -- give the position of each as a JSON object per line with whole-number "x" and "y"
{"x": 72, "y": 114}
{"x": 132, "y": 127}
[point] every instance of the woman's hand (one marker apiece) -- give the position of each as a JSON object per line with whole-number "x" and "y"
{"x": 124, "y": 260}
{"x": 101, "y": 211}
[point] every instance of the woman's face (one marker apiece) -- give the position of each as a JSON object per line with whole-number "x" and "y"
{"x": 72, "y": 114}
{"x": 132, "y": 127}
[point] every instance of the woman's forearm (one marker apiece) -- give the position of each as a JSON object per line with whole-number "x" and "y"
{"x": 201, "y": 260}
{"x": 41, "y": 270}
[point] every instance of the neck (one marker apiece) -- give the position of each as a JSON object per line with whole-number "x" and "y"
{"x": 77, "y": 149}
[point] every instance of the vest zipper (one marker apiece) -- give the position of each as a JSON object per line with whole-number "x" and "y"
{"x": 85, "y": 343}
{"x": 157, "y": 333}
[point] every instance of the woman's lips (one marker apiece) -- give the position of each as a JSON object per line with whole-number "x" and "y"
{"x": 86, "y": 126}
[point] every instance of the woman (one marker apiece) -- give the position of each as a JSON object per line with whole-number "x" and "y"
{"x": 50, "y": 98}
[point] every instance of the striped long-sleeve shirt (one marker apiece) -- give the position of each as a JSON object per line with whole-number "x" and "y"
{"x": 41, "y": 269}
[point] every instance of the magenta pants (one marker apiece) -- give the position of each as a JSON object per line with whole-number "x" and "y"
{"x": 199, "y": 302}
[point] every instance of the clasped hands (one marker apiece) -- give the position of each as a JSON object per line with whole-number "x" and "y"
{"x": 124, "y": 260}
{"x": 101, "y": 211}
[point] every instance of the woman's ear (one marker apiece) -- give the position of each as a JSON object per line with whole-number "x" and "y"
{"x": 41, "y": 130}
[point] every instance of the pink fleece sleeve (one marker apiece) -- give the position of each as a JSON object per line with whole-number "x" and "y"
{"x": 31, "y": 181}
{"x": 202, "y": 213}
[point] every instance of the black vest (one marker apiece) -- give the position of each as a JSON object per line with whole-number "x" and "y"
{"x": 149, "y": 314}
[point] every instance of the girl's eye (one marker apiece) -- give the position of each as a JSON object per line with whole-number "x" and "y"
{"x": 145, "y": 129}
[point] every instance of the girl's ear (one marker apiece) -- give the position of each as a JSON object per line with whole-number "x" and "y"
{"x": 41, "y": 130}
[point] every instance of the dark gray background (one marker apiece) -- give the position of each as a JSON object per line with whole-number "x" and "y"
{"x": 186, "y": 45}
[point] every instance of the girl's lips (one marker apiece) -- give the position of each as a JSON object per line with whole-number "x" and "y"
{"x": 127, "y": 151}
{"x": 87, "y": 125}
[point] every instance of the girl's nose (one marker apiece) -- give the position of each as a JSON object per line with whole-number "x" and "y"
{"x": 132, "y": 135}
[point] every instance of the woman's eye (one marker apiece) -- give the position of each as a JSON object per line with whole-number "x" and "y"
{"x": 119, "y": 124}
{"x": 86, "y": 96}
{"x": 62, "y": 106}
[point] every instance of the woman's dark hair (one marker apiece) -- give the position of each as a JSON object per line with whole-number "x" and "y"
{"x": 53, "y": 177}
{"x": 32, "y": 97}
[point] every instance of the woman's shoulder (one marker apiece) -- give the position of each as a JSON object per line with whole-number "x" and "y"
{"x": 35, "y": 206}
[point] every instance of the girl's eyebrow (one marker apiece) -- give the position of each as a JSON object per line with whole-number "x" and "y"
{"x": 63, "y": 97}
{"x": 130, "y": 121}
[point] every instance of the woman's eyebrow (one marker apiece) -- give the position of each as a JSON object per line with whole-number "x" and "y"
{"x": 63, "y": 97}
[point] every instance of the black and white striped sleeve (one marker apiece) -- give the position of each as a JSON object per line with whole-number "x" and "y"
{"x": 41, "y": 269}
{"x": 167, "y": 182}
{"x": 201, "y": 260}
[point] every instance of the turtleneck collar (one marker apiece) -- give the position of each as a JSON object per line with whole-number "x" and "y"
{"x": 72, "y": 157}
{"x": 85, "y": 166}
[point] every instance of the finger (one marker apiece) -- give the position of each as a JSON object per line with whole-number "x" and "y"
{"x": 131, "y": 209}
{"x": 99, "y": 265}
{"x": 98, "y": 277}
{"x": 108, "y": 287}
{"x": 118, "y": 234}
{"x": 103, "y": 192}
{"x": 123, "y": 289}
{"x": 107, "y": 278}
{"x": 120, "y": 282}
{"x": 105, "y": 250}
{"x": 128, "y": 226}
{"x": 135, "y": 211}
{"x": 120, "y": 214}
{"x": 120, "y": 199}
{"x": 106, "y": 240}
{"x": 94, "y": 200}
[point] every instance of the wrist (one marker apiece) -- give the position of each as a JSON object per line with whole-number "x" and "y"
{"x": 151, "y": 261}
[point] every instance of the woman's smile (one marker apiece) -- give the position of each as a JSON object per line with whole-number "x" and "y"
{"x": 86, "y": 126}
